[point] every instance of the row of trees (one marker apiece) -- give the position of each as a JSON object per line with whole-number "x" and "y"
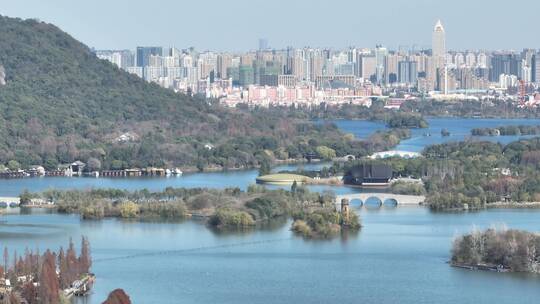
{"x": 34, "y": 277}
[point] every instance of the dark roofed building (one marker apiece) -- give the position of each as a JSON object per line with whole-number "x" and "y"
{"x": 369, "y": 174}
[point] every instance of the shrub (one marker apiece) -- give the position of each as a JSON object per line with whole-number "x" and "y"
{"x": 129, "y": 209}
{"x": 224, "y": 217}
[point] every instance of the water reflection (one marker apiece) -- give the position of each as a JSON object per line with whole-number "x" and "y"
{"x": 373, "y": 202}
{"x": 264, "y": 226}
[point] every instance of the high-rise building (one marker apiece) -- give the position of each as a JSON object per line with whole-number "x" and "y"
{"x": 482, "y": 61}
{"x": 470, "y": 60}
{"x": 369, "y": 68}
{"x": 407, "y": 72}
{"x": 526, "y": 74}
{"x": 505, "y": 63}
{"x": 246, "y": 75}
{"x": 224, "y": 61}
{"x": 438, "y": 49}
{"x": 144, "y": 53}
{"x": 439, "y": 40}
{"x": 459, "y": 60}
{"x": 380, "y": 63}
{"x": 297, "y": 64}
{"x": 508, "y": 81}
{"x": 315, "y": 64}
{"x": 391, "y": 68}
{"x": 351, "y": 55}
{"x": 536, "y": 68}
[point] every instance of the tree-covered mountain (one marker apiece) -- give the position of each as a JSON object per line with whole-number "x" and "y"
{"x": 60, "y": 103}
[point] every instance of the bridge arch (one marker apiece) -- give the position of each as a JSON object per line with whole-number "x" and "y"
{"x": 373, "y": 201}
{"x": 356, "y": 202}
{"x": 391, "y": 202}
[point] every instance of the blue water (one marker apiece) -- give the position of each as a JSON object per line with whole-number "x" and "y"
{"x": 459, "y": 128}
{"x": 240, "y": 178}
{"x": 398, "y": 257}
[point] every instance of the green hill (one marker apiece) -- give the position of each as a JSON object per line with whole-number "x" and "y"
{"x": 60, "y": 103}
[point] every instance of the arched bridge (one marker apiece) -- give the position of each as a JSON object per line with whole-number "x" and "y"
{"x": 382, "y": 198}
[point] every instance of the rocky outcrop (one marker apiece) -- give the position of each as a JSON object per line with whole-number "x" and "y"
{"x": 118, "y": 296}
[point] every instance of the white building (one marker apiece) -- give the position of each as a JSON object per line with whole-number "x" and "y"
{"x": 508, "y": 81}
{"x": 439, "y": 41}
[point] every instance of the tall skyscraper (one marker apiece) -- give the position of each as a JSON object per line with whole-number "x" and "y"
{"x": 438, "y": 49}
{"x": 439, "y": 41}
{"x": 380, "y": 56}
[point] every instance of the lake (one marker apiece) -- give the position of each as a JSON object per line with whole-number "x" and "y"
{"x": 398, "y": 257}
{"x": 459, "y": 128}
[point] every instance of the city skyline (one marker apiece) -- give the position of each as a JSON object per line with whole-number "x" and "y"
{"x": 311, "y": 76}
{"x": 398, "y": 25}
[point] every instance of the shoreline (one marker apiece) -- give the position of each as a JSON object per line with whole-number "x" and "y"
{"x": 482, "y": 267}
{"x": 514, "y": 205}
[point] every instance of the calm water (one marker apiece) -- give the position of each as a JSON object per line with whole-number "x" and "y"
{"x": 241, "y": 179}
{"x": 399, "y": 257}
{"x": 459, "y": 128}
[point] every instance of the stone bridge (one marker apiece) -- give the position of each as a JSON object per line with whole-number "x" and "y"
{"x": 382, "y": 198}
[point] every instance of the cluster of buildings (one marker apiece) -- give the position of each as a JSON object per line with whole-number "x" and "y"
{"x": 313, "y": 75}
{"x": 79, "y": 168}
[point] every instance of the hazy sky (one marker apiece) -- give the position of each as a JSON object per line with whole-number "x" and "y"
{"x": 238, "y": 24}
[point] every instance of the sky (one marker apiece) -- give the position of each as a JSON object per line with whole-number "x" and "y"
{"x": 236, "y": 25}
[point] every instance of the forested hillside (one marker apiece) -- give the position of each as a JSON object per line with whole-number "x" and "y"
{"x": 60, "y": 103}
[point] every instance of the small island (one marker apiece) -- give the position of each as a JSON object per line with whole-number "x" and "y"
{"x": 407, "y": 121}
{"x": 320, "y": 222}
{"x": 497, "y": 250}
{"x": 227, "y": 209}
